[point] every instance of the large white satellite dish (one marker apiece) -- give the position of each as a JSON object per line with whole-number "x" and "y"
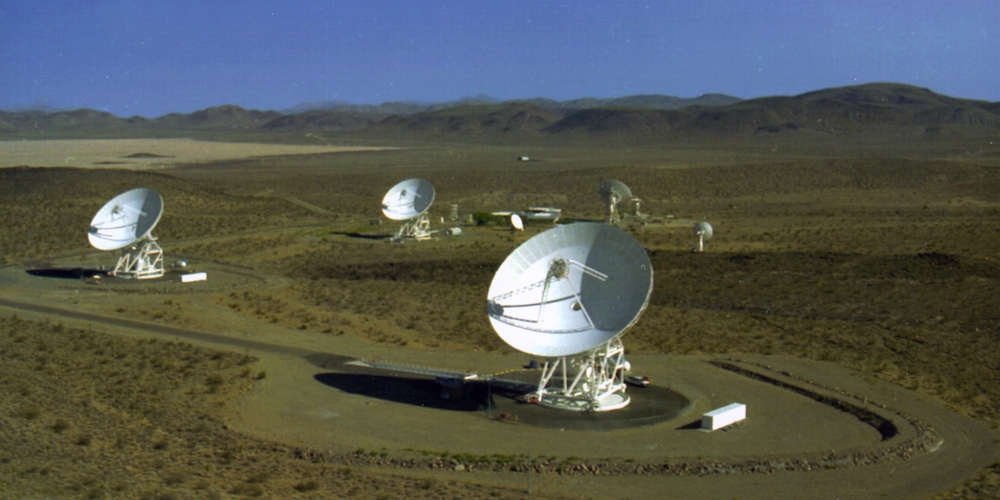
{"x": 126, "y": 222}
{"x": 613, "y": 192}
{"x": 703, "y": 231}
{"x": 407, "y": 201}
{"x": 568, "y": 294}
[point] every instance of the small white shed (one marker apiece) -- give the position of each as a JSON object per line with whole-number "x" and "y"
{"x": 721, "y": 417}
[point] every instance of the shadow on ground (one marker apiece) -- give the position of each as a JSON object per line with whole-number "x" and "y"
{"x": 504, "y": 399}
{"x": 367, "y": 236}
{"x": 70, "y": 273}
{"x": 425, "y": 393}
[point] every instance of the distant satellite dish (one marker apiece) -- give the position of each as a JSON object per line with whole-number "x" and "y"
{"x": 703, "y": 231}
{"x": 126, "y": 220}
{"x": 516, "y": 223}
{"x": 569, "y": 293}
{"x": 408, "y": 200}
{"x": 613, "y": 192}
{"x": 636, "y": 202}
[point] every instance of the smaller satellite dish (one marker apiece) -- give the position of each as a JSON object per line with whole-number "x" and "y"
{"x": 516, "y": 223}
{"x": 408, "y": 199}
{"x": 635, "y": 207}
{"x": 613, "y": 192}
{"x": 126, "y": 222}
{"x": 127, "y": 218}
{"x": 703, "y": 231}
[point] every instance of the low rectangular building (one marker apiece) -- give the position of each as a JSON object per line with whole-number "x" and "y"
{"x": 721, "y": 417}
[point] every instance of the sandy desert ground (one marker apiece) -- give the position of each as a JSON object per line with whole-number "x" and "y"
{"x": 143, "y": 153}
{"x": 841, "y": 292}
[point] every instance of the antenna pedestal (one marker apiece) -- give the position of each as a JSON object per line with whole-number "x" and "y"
{"x": 613, "y": 192}
{"x": 613, "y": 216}
{"x": 703, "y": 231}
{"x": 141, "y": 261}
{"x": 418, "y": 229}
{"x": 593, "y": 381}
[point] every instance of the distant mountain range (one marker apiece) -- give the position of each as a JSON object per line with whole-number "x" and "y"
{"x": 901, "y": 108}
{"x": 654, "y": 101}
{"x": 42, "y": 106}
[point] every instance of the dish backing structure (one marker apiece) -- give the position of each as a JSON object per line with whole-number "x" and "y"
{"x": 126, "y": 222}
{"x": 408, "y": 201}
{"x": 567, "y": 295}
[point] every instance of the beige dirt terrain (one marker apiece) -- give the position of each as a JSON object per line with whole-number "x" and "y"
{"x": 144, "y": 153}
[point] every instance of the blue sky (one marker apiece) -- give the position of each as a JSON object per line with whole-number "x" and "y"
{"x": 149, "y": 58}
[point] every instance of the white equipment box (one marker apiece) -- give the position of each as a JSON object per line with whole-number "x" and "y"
{"x": 187, "y": 278}
{"x": 721, "y": 417}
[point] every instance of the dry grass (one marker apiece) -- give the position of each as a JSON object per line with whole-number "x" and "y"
{"x": 46, "y": 212}
{"x": 98, "y": 416}
{"x": 867, "y": 259}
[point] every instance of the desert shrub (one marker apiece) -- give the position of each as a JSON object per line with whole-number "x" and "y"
{"x": 486, "y": 219}
{"x": 59, "y": 426}
{"x": 427, "y": 483}
{"x": 174, "y": 478}
{"x": 305, "y": 486}
{"x": 29, "y": 413}
{"x": 247, "y": 489}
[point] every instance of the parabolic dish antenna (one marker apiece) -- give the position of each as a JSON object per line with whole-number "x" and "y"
{"x": 703, "y": 231}
{"x": 408, "y": 200}
{"x": 613, "y": 192}
{"x": 126, "y": 222}
{"x": 569, "y": 293}
{"x": 635, "y": 208}
{"x": 516, "y": 223}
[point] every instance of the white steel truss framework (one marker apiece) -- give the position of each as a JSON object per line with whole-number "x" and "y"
{"x": 591, "y": 381}
{"x": 143, "y": 260}
{"x": 418, "y": 229}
